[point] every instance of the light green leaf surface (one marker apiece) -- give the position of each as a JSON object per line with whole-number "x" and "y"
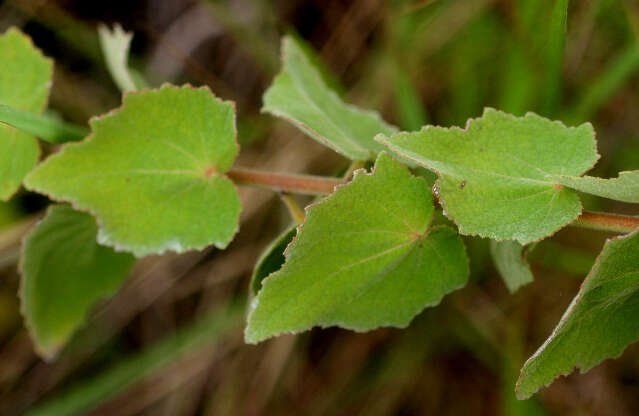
{"x": 152, "y": 172}
{"x": 115, "y": 47}
{"x": 25, "y": 79}
{"x": 64, "y": 271}
{"x": 300, "y": 95}
{"x": 510, "y": 262}
{"x": 494, "y": 175}
{"x": 623, "y": 188}
{"x": 364, "y": 258}
{"x": 599, "y": 323}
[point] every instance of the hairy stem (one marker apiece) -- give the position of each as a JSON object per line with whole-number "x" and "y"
{"x": 317, "y": 185}
{"x": 299, "y": 184}
{"x": 607, "y": 222}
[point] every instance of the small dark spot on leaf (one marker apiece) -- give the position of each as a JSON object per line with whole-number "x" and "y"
{"x": 462, "y": 184}
{"x": 127, "y": 180}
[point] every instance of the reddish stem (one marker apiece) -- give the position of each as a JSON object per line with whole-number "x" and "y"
{"x": 607, "y": 222}
{"x": 318, "y": 185}
{"x": 300, "y": 184}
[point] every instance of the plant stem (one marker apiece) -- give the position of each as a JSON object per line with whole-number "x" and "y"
{"x": 293, "y": 208}
{"x": 607, "y": 222}
{"x": 300, "y": 184}
{"x": 318, "y": 185}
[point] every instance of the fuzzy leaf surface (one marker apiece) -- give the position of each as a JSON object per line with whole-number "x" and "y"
{"x": 365, "y": 257}
{"x": 496, "y": 175}
{"x": 625, "y": 187}
{"x": 152, "y": 172}
{"x": 25, "y": 79}
{"x": 300, "y": 95}
{"x": 510, "y": 263}
{"x": 599, "y": 323}
{"x": 64, "y": 271}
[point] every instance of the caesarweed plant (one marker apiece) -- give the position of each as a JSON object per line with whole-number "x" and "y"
{"x": 370, "y": 252}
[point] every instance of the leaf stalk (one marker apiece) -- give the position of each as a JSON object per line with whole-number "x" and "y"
{"x": 282, "y": 182}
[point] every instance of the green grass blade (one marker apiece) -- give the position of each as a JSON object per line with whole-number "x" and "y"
{"x": 45, "y": 127}
{"x": 411, "y": 112}
{"x": 613, "y": 77}
{"x": 86, "y": 395}
{"x": 554, "y": 56}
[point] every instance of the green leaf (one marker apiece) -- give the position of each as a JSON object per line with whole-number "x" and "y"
{"x": 509, "y": 258}
{"x": 152, "y": 172}
{"x": 496, "y": 175}
{"x": 623, "y": 188}
{"x": 300, "y": 95}
{"x": 271, "y": 259}
{"x": 365, "y": 257}
{"x": 25, "y": 79}
{"x": 115, "y": 47}
{"x": 64, "y": 271}
{"x": 599, "y": 323}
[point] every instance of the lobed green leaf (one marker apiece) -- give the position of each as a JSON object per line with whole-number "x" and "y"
{"x": 599, "y": 323}
{"x": 25, "y": 80}
{"x": 496, "y": 175}
{"x": 300, "y": 95}
{"x": 64, "y": 272}
{"x": 152, "y": 172}
{"x": 365, "y": 257}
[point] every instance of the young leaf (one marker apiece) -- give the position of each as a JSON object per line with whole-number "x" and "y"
{"x": 300, "y": 95}
{"x": 510, "y": 262}
{"x": 364, "y": 258}
{"x": 495, "y": 176}
{"x": 115, "y": 47}
{"x": 64, "y": 271}
{"x": 152, "y": 172}
{"x": 599, "y": 323}
{"x": 25, "y": 79}
{"x": 623, "y": 188}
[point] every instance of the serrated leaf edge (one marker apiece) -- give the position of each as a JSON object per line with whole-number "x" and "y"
{"x": 386, "y": 141}
{"x": 564, "y": 317}
{"x": 102, "y": 237}
{"x": 428, "y": 229}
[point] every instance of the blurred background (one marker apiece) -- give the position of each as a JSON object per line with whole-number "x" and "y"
{"x": 169, "y": 343}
